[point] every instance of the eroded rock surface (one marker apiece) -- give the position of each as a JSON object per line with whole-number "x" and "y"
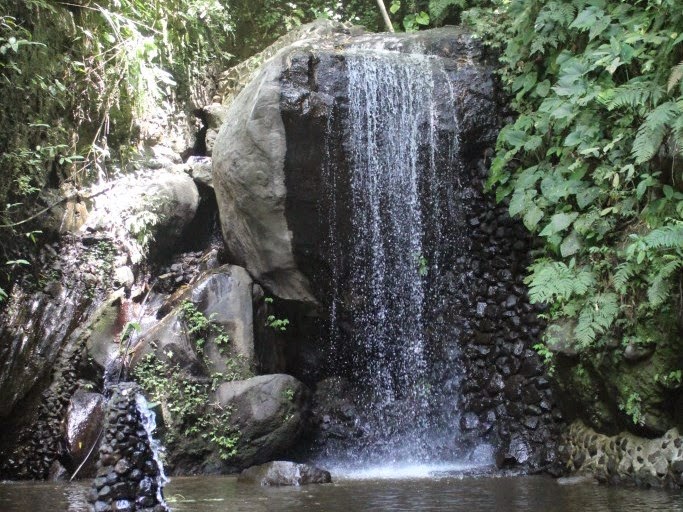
{"x": 625, "y": 458}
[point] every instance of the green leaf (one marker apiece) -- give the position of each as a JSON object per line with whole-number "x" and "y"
{"x": 532, "y": 217}
{"x": 558, "y": 222}
{"x": 422, "y": 18}
{"x": 570, "y": 245}
{"x": 543, "y": 88}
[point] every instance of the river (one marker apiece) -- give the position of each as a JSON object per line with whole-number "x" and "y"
{"x": 447, "y": 493}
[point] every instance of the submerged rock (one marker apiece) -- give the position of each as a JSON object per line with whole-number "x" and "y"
{"x": 280, "y": 473}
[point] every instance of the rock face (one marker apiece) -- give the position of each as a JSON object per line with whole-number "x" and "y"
{"x": 268, "y": 411}
{"x": 625, "y": 458}
{"x": 84, "y": 422}
{"x": 284, "y": 180}
{"x": 280, "y": 473}
{"x": 82, "y": 280}
{"x": 223, "y": 295}
{"x": 250, "y": 188}
{"x": 155, "y": 207}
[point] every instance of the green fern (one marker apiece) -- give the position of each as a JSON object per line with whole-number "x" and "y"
{"x": 553, "y": 280}
{"x": 635, "y": 93}
{"x": 661, "y": 284}
{"x": 665, "y": 237}
{"x": 675, "y": 77}
{"x": 620, "y": 279}
{"x": 596, "y": 317}
{"x": 439, "y": 9}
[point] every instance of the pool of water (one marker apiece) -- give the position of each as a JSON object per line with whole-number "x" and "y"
{"x": 451, "y": 493}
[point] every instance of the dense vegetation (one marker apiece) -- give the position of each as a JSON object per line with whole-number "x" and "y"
{"x": 591, "y": 164}
{"x": 76, "y": 78}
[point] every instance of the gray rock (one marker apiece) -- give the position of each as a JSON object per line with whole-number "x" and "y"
{"x": 84, "y": 420}
{"x": 248, "y": 171}
{"x": 123, "y": 276}
{"x": 562, "y": 338}
{"x": 634, "y": 352}
{"x": 268, "y": 411}
{"x": 225, "y": 296}
{"x": 216, "y": 114}
{"x": 279, "y": 473}
{"x": 199, "y": 168}
{"x": 576, "y": 480}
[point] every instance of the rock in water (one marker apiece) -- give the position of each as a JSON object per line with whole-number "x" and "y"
{"x": 279, "y": 473}
{"x": 268, "y": 412}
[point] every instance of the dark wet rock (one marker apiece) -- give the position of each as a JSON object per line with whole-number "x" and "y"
{"x": 516, "y": 452}
{"x": 84, "y": 423}
{"x": 281, "y": 473}
{"x": 635, "y": 352}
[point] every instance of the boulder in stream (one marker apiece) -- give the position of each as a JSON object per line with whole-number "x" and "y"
{"x": 268, "y": 411}
{"x": 280, "y": 473}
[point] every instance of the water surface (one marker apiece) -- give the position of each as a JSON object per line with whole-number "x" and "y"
{"x": 448, "y": 493}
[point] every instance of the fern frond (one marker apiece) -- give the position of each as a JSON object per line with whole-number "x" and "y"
{"x": 660, "y": 287}
{"x": 651, "y": 133}
{"x": 624, "y": 272}
{"x": 665, "y": 237}
{"x": 438, "y": 9}
{"x": 552, "y": 280}
{"x": 675, "y": 76}
{"x": 635, "y": 93}
{"x": 596, "y": 317}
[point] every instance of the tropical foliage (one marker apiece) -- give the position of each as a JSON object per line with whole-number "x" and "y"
{"x": 76, "y": 76}
{"x": 593, "y": 162}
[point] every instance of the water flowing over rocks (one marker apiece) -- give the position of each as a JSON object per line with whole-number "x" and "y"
{"x": 129, "y": 477}
{"x": 367, "y": 305}
{"x": 411, "y": 274}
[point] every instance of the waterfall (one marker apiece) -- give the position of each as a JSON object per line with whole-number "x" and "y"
{"x": 148, "y": 420}
{"x": 399, "y": 153}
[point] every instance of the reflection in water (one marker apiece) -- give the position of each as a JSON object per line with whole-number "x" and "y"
{"x": 452, "y": 494}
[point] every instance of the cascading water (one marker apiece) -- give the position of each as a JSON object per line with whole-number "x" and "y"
{"x": 399, "y": 153}
{"x": 148, "y": 420}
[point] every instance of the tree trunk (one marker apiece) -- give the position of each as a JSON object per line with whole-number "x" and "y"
{"x": 385, "y": 15}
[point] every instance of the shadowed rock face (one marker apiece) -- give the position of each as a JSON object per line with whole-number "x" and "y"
{"x": 451, "y": 348}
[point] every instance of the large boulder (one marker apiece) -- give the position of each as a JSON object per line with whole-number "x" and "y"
{"x": 268, "y": 411}
{"x": 155, "y": 208}
{"x": 224, "y": 297}
{"x": 268, "y": 159}
{"x": 281, "y": 473}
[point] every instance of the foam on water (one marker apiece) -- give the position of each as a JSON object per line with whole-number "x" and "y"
{"x": 404, "y": 471}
